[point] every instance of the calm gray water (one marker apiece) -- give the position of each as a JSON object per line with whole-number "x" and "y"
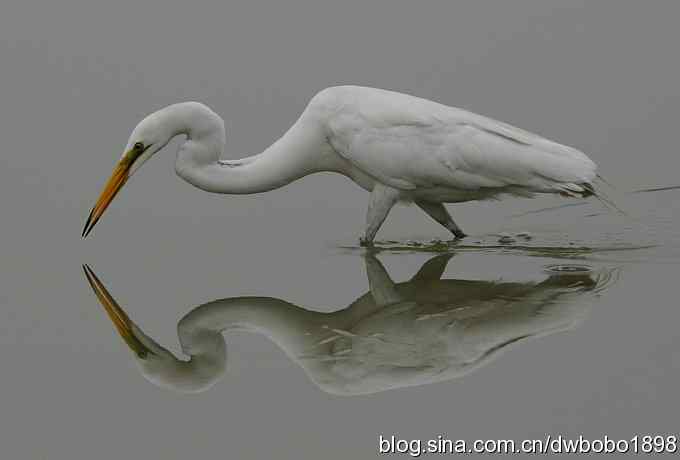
{"x": 483, "y": 344}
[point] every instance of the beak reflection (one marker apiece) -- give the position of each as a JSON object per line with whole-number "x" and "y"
{"x": 120, "y": 319}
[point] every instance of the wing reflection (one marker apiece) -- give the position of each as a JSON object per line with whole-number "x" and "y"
{"x": 421, "y": 331}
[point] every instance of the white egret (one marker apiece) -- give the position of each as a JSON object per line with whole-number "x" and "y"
{"x": 422, "y": 331}
{"x": 396, "y": 146}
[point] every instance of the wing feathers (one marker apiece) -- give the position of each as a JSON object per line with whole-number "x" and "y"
{"x": 411, "y": 143}
{"x": 511, "y": 158}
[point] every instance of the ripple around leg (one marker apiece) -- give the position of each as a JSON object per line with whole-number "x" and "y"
{"x": 537, "y": 247}
{"x": 568, "y": 269}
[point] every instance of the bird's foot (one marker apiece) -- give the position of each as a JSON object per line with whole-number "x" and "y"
{"x": 365, "y": 242}
{"x": 458, "y": 234}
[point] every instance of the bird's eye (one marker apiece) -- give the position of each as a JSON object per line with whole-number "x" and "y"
{"x": 139, "y": 146}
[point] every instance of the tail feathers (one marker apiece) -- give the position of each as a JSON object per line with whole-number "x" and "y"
{"x": 585, "y": 190}
{"x": 581, "y": 190}
{"x": 588, "y": 190}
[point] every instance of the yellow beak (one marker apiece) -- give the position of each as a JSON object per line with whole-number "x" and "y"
{"x": 120, "y": 175}
{"x": 120, "y": 319}
{"x": 118, "y": 178}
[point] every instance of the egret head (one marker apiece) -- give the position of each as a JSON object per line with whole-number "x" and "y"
{"x": 149, "y": 136}
{"x": 157, "y": 364}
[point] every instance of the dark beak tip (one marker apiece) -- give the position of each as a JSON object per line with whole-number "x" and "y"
{"x": 87, "y": 227}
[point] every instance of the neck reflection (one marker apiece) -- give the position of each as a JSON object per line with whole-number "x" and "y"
{"x": 421, "y": 331}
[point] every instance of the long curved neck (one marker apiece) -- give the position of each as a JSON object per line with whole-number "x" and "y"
{"x": 282, "y": 322}
{"x": 200, "y": 335}
{"x": 296, "y": 154}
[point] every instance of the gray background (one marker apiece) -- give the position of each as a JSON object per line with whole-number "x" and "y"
{"x": 78, "y": 75}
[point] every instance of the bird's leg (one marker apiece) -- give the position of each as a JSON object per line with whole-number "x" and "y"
{"x": 382, "y": 287}
{"x": 381, "y": 201}
{"x": 433, "y": 269}
{"x": 439, "y": 213}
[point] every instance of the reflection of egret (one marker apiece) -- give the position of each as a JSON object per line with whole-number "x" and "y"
{"x": 421, "y": 331}
{"x": 398, "y": 147}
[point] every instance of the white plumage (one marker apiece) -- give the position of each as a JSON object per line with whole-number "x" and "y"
{"x": 396, "y": 146}
{"x": 415, "y": 144}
